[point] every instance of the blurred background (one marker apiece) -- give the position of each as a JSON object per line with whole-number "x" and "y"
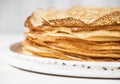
{"x": 13, "y": 13}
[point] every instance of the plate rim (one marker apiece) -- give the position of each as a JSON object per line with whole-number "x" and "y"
{"x": 69, "y": 63}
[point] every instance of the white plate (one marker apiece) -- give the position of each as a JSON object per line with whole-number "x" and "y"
{"x": 62, "y": 67}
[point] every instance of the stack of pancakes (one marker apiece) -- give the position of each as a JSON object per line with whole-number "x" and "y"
{"x": 81, "y": 34}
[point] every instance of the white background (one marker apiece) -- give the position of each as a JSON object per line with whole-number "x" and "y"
{"x": 14, "y": 12}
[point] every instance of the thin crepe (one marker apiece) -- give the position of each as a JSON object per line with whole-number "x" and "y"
{"x": 76, "y": 16}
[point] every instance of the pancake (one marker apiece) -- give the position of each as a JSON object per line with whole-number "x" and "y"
{"x": 76, "y": 16}
{"x": 79, "y": 34}
{"x": 101, "y": 35}
{"x": 79, "y": 46}
{"x": 31, "y": 48}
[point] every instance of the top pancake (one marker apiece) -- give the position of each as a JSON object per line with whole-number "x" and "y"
{"x": 76, "y": 16}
